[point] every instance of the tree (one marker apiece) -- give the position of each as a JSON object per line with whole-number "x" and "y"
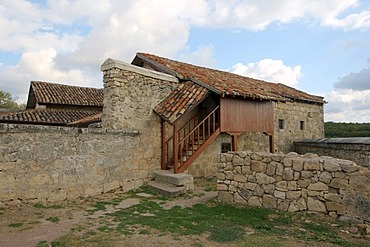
{"x": 7, "y": 101}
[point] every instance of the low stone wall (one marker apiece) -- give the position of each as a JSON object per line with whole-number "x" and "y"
{"x": 45, "y": 163}
{"x": 355, "y": 149}
{"x": 295, "y": 182}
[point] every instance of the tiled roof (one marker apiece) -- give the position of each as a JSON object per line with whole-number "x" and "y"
{"x": 226, "y": 83}
{"x": 53, "y": 93}
{"x": 86, "y": 120}
{"x": 44, "y": 116}
{"x": 184, "y": 98}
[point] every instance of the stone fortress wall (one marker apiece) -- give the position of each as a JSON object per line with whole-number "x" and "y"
{"x": 356, "y": 149}
{"x": 295, "y": 182}
{"x": 44, "y": 163}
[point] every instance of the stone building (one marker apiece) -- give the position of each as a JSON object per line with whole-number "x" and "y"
{"x": 58, "y": 105}
{"x": 189, "y": 113}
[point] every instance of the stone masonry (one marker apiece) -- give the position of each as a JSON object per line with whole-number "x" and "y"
{"x": 295, "y": 182}
{"x": 45, "y": 163}
{"x": 356, "y": 149}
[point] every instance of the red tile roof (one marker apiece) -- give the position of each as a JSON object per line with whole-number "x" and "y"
{"x": 45, "y": 116}
{"x": 53, "y": 93}
{"x": 184, "y": 98}
{"x": 226, "y": 83}
{"x": 87, "y": 120}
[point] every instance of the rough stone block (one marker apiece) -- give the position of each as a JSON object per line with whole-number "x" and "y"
{"x": 283, "y": 205}
{"x": 334, "y": 206}
{"x": 304, "y": 182}
{"x": 331, "y": 166}
{"x": 316, "y": 205}
{"x": 240, "y": 178}
{"x": 246, "y": 170}
{"x": 250, "y": 186}
{"x": 279, "y": 194}
{"x": 306, "y": 174}
{"x": 222, "y": 187}
{"x": 269, "y": 201}
{"x": 293, "y": 194}
{"x": 298, "y": 165}
{"x": 255, "y": 201}
{"x": 246, "y": 194}
{"x": 325, "y": 177}
{"x": 225, "y": 196}
{"x": 282, "y": 185}
{"x": 279, "y": 169}
{"x": 239, "y": 200}
{"x": 270, "y": 169}
{"x": 269, "y": 188}
{"x": 264, "y": 179}
{"x": 288, "y": 174}
{"x": 333, "y": 197}
{"x": 339, "y": 183}
{"x": 319, "y": 186}
{"x": 311, "y": 165}
{"x": 258, "y": 166}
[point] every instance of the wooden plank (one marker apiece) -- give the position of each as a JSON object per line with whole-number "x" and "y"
{"x": 175, "y": 149}
{"x": 238, "y": 115}
{"x": 234, "y": 143}
{"x": 272, "y": 143}
{"x": 163, "y": 146}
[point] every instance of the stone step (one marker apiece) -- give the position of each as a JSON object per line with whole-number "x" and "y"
{"x": 167, "y": 189}
{"x": 180, "y": 179}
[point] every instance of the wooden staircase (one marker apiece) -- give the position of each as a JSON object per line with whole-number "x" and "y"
{"x": 190, "y": 141}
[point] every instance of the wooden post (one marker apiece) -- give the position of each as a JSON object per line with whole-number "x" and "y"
{"x": 234, "y": 143}
{"x": 163, "y": 146}
{"x": 175, "y": 149}
{"x": 272, "y": 143}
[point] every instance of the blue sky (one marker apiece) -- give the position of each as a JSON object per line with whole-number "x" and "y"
{"x": 318, "y": 46}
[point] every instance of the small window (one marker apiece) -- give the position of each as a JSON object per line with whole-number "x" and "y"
{"x": 225, "y": 147}
{"x": 281, "y": 124}
{"x": 301, "y": 125}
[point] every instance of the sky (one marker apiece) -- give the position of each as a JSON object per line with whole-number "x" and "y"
{"x": 319, "y": 46}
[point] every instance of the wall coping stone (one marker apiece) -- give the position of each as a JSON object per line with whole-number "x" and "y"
{"x": 113, "y": 63}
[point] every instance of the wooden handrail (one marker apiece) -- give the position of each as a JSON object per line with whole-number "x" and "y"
{"x": 200, "y": 123}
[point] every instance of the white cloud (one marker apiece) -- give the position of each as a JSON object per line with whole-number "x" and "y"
{"x": 356, "y": 81}
{"x": 269, "y": 70}
{"x": 18, "y": 77}
{"x": 347, "y": 106}
{"x": 75, "y": 37}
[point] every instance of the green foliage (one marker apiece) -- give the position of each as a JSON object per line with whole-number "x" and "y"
{"x": 7, "y": 101}
{"x": 15, "y": 225}
{"x": 53, "y": 219}
{"x": 347, "y": 129}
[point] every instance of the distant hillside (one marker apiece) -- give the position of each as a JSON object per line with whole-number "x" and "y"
{"x": 347, "y": 129}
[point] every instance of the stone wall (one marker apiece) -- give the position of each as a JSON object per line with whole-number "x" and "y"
{"x": 43, "y": 163}
{"x": 293, "y": 113}
{"x": 355, "y": 149}
{"x": 295, "y": 182}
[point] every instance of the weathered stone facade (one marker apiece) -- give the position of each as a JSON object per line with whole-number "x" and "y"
{"x": 294, "y": 182}
{"x": 45, "y": 163}
{"x": 355, "y": 149}
{"x": 293, "y": 113}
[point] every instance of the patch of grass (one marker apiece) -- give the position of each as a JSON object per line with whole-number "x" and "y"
{"x": 39, "y": 205}
{"x": 16, "y": 225}
{"x": 144, "y": 232}
{"x": 53, "y": 219}
{"x": 42, "y": 243}
{"x": 99, "y": 206}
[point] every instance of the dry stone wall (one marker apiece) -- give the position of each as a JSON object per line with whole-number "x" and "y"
{"x": 43, "y": 163}
{"x": 295, "y": 182}
{"x": 355, "y": 149}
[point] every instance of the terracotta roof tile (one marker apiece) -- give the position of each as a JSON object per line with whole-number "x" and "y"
{"x": 45, "y": 116}
{"x": 183, "y": 99}
{"x": 87, "y": 120}
{"x": 53, "y": 93}
{"x": 226, "y": 83}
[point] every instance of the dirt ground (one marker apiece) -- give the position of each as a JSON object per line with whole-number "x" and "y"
{"x": 39, "y": 225}
{"x": 27, "y": 225}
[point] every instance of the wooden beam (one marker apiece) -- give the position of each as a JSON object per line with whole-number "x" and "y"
{"x": 234, "y": 142}
{"x": 175, "y": 149}
{"x": 272, "y": 143}
{"x": 163, "y": 146}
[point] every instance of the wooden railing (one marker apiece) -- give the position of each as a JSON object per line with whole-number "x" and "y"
{"x": 190, "y": 140}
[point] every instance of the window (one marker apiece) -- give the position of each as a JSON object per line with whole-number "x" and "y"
{"x": 301, "y": 125}
{"x": 225, "y": 147}
{"x": 281, "y": 124}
